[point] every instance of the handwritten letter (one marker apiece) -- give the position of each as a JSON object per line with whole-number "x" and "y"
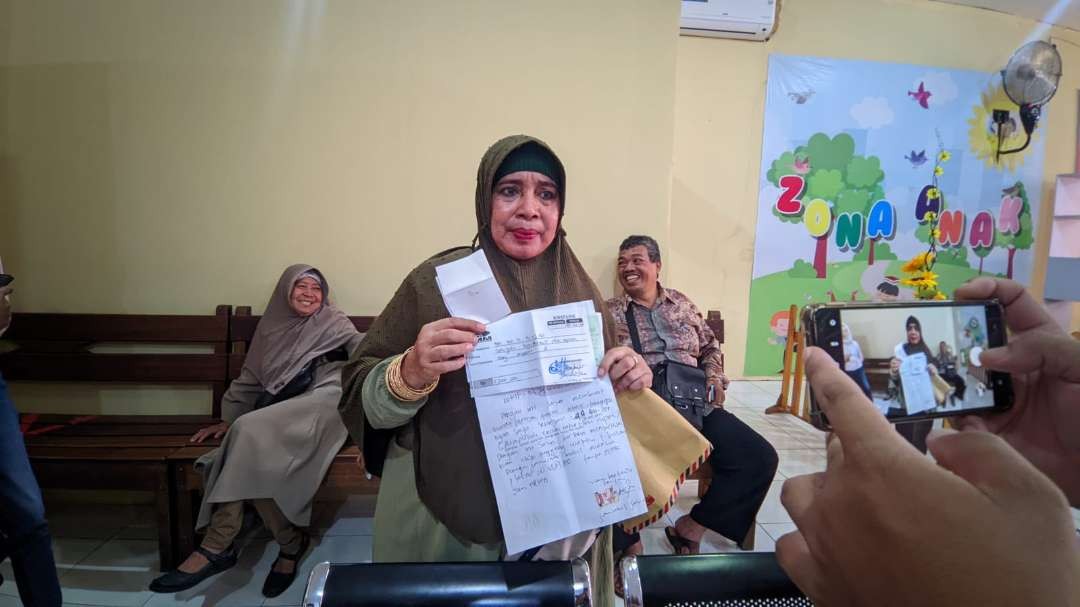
{"x": 560, "y": 461}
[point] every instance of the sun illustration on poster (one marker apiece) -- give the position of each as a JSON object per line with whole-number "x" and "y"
{"x": 982, "y": 132}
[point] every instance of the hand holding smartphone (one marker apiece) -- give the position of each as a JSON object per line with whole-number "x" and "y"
{"x": 914, "y": 360}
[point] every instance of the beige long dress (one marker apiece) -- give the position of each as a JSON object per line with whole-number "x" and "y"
{"x": 281, "y": 452}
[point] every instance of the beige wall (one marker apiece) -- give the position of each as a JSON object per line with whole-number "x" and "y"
{"x": 170, "y": 156}
{"x": 719, "y": 105}
{"x": 879, "y": 331}
{"x": 165, "y": 157}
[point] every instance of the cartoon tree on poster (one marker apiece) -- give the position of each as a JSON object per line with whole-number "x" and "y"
{"x": 981, "y": 253}
{"x": 835, "y": 174}
{"x": 954, "y": 256}
{"x": 881, "y": 251}
{"x": 1014, "y": 228}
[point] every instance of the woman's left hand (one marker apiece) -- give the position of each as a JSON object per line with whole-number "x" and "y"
{"x": 627, "y": 369}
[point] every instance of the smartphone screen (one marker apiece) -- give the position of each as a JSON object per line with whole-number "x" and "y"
{"x": 918, "y": 361}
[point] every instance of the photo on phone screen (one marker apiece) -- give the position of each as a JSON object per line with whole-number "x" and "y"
{"x": 917, "y": 361}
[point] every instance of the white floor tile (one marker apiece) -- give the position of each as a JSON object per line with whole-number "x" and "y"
{"x": 755, "y": 400}
{"x": 116, "y": 574}
{"x": 714, "y": 543}
{"x": 66, "y": 553}
{"x": 763, "y": 542}
{"x": 772, "y": 511}
{"x": 778, "y": 530}
{"x": 802, "y": 461}
{"x": 9, "y": 601}
{"x": 772, "y": 388}
{"x": 787, "y": 420}
{"x": 654, "y": 541}
{"x": 741, "y": 386}
{"x": 354, "y": 516}
{"x": 782, "y": 441}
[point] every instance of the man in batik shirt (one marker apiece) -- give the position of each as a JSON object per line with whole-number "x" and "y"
{"x": 670, "y": 327}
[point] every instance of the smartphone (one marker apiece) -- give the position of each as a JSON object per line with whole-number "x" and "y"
{"x": 913, "y": 360}
{"x": 6, "y": 279}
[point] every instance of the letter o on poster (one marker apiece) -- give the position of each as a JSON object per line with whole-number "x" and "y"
{"x": 818, "y": 218}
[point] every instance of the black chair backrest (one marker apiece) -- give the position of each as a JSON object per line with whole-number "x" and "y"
{"x": 513, "y": 584}
{"x": 736, "y": 579}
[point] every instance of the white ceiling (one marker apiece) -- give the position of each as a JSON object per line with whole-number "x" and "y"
{"x": 1065, "y": 13}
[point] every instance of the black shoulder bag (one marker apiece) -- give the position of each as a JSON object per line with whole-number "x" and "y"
{"x": 680, "y": 385}
{"x": 302, "y": 380}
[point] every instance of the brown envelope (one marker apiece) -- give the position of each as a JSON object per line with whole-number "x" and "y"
{"x": 667, "y": 450}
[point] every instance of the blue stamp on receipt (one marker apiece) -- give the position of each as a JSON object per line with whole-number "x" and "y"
{"x": 565, "y": 368}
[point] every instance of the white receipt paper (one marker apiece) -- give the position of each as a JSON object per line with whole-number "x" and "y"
{"x": 469, "y": 289}
{"x": 915, "y": 379}
{"x": 545, "y": 347}
{"x": 560, "y": 462}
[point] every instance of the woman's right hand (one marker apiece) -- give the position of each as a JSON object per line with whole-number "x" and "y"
{"x": 441, "y": 347}
{"x": 216, "y": 431}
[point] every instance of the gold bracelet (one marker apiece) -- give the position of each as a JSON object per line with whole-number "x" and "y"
{"x": 401, "y": 389}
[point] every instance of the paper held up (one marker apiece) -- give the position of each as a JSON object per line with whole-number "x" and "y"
{"x": 918, "y": 389}
{"x": 469, "y": 289}
{"x": 545, "y": 347}
{"x": 560, "y": 462}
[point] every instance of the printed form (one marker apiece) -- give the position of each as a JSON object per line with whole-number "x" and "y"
{"x": 546, "y": 347}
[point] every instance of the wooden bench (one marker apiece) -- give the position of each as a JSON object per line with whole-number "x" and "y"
{"x": 125, "y": 452}
{"x": 877, "y": 372}
{"x": 344, "y": 477}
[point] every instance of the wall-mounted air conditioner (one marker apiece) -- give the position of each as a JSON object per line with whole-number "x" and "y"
{"x": 741, "y": 19}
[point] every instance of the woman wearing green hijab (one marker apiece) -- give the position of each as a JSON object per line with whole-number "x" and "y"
{"x": 406, "y": 398}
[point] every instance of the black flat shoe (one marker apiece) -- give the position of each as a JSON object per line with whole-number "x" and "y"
{"x": 177, "y": 581}
{"x": 277, "y": 582}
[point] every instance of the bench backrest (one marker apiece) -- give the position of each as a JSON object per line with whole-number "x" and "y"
{"x": 58, "y": 348}
{"x": 243, "y": 330}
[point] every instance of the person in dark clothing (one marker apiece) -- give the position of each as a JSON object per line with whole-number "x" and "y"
{"x": 24, "y": 532}
{"x": 950, "y": 372}
{"x": 915, "y": 432}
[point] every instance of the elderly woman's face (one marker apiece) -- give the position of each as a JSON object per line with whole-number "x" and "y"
{"x": 913, "y": 335}
{"x": 524, "y": 214}
{"x": 306, "y": 297}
